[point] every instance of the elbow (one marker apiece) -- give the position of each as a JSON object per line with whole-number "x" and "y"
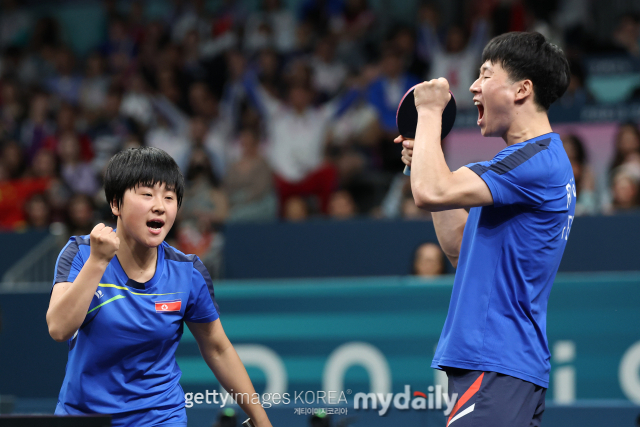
{"x": 428, "y": 202}
{"x": 56, "y": 331}
{"x": 58, "y": 335}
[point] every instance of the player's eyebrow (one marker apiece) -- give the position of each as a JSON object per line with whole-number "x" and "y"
{"x": 485, "y": 67}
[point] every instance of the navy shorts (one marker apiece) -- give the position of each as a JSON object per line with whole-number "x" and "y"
{"x": 490, "y": 399}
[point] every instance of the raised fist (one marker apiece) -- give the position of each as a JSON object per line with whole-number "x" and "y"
{"x": 104, "y": 243}
{"x": 433, "y": 94}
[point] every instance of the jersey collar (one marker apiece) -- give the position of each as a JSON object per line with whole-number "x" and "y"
{"x": 136, "y": 285}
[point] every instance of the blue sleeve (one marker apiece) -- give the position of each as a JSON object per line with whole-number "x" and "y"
{"x": 201, "y": 306}
{"x": 521, "y": 177}
{"x": 69, "y": 262}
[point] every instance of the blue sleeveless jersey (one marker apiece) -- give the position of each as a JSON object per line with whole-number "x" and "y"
{"x": 122, "y": 359}
{"x": 508, "y": 260}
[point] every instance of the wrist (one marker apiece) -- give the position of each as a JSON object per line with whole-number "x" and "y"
{"x": 98, "y": 262}
{"x": 430, "y": 112}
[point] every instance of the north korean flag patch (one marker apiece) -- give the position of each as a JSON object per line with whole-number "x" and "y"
{"x": 168, "y": 306}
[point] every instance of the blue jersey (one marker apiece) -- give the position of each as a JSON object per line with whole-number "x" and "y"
{"x": 122, "y": 359}
{"x": 509, "y": 258}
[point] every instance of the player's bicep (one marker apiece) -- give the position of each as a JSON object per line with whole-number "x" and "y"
{"x": 464, "y": 189}
{"x": 210, "y": 337}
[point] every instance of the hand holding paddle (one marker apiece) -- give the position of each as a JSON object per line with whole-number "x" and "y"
{"x": 427, "y": 95}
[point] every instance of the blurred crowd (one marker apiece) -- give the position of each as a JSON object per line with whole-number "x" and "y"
{"x": 271, "y": 113}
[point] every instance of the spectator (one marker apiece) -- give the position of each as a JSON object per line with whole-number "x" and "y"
{"x": 342, "y": 206}
{"x": 249, "y": 183}
{"x": 197, "y": 140}
{"x": 625, "y": 189}
{"x": 271, "y": 27}
{"x": 584, "y": 178}
{"x": 40, "y": 57}
{"x": 354, "y": 30}
{"x": 204, "y": 208}
{"x": 66, "y": 124}
{"x": 329, "y": 74}
{"x": 404, "y": 40}
{"x": 218, "y": 121}
{"x": 79, "y": 175}
{"x": 428, "y": 261}
{"x": 626, "y": 36}
{"x": 119, "y": 46}
{"x": 384, "y": 94}
{"x": 15, "y": 192}
{"x": 65, "y": 84}
{"x": 137, "y": 102}
{"x": 11, "y": 110}
{"x": 319, "y": 14}
{"x": 627, "y": 145}
{"x": 204, "y": 203}
{"x": 45, "y": 165}
{"x": 110, "y": 129}
{"x": 37, "y": 213}
{"x": 12, "y": 160}
{"x": 577, "y": 95}
{"x": 268, "y": 69}
{"x": 37, "y": 127}
{"x": 298, "y": 162}
{"x": 193, "y": 17}
{"x": 94, "y": 87}
{"x": 80, "y": 215}
{"x": 459, "y": 59}
{"x": 412, "y": 212}
{"x": 296, "y": 209}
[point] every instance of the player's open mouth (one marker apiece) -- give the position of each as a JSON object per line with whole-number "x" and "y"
{"x": 155, "y": 225}
{"x": 480, "y": 111}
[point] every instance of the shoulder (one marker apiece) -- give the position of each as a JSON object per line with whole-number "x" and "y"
{"x": 175, "y": 255}
{"x": 75, "y": 245}
{"x": 72, "y": 257}
{"x": 531, "y": 157}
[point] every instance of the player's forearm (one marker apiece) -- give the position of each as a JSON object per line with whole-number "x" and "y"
{"x": 66, "y": 314}
{"x": 449, "y": 227}
{"x": 232, "y": 375}
{"x": 429, "y": 170}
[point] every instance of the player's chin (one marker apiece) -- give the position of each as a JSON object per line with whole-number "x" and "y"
{"x": 153, "y": 240}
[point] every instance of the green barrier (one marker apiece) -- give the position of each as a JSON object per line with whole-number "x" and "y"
{"x": 358, "y": 334}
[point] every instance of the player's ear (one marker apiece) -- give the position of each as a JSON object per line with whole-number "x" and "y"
{"x": 115, "y": 209}
{"x": 524, "y": 89}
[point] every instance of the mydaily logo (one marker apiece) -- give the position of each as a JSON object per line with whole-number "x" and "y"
{"x": 433, "y": 399}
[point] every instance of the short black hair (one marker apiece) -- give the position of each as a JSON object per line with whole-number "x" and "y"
{"x": 141, "y": 166}
{"x": 530, "y": 56}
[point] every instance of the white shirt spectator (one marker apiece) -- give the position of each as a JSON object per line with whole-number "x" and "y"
{"x": 296, "y": 141}
{"x": 328, "y": 76}
{"x": 270, "y": 29}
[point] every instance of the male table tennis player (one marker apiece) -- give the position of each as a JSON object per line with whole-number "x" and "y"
{"x": 508, "y": 246}
{"x": 120, "y": 298}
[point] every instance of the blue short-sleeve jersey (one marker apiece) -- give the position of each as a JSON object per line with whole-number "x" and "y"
{"x": 509, "y": 257}
{"x": 122, "y": 359}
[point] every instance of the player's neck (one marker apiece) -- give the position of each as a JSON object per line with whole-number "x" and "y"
{"x": 138, "y": 261}
{"x": 527, "y": 124}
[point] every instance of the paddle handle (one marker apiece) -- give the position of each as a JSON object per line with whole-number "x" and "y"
{"x": 407, "y": 171}
{"x": 248, "y": 423}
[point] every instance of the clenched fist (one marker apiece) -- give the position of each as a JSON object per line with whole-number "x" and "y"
{"x": 104, "y": 243}
{"x": 432, "y": 95}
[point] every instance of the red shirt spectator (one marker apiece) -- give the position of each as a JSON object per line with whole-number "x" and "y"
{"x": 13, "y": 195}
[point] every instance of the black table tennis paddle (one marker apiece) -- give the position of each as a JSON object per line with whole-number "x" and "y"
{"x": 407, "y": 118}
